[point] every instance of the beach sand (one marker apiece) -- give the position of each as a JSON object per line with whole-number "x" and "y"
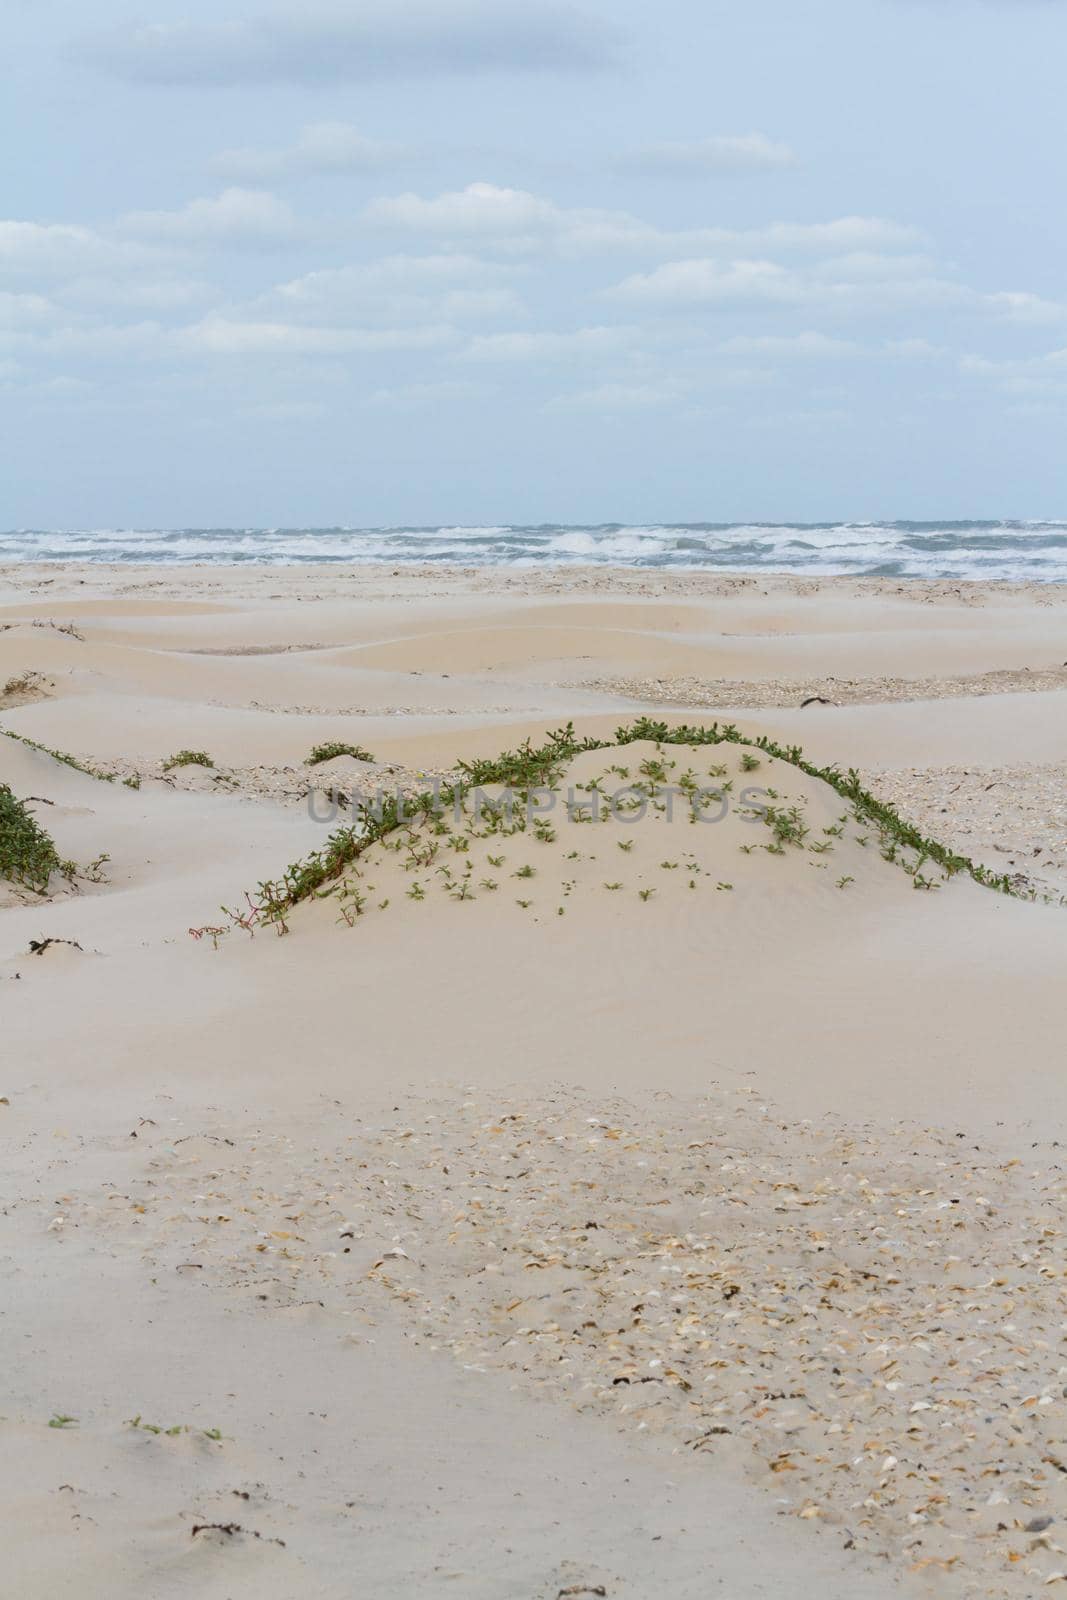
{"x": 614, "y": 1206}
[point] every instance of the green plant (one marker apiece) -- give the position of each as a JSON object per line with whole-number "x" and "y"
{"x": 188, "y": 758}
{"x": 749, "y": 762}
{"x": 155, "y": 1427}
{"x": 328, "y": 751}
{"x": 61, "y": 1421}
{"x": 531, "y": 766}
{"x": 28, "y": 856}
{"x": 59, "y": 755}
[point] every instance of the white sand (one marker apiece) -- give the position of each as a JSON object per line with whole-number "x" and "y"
{"x": 394, "y": 1426}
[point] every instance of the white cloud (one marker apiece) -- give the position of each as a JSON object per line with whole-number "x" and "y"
{"x": 55, "y": 250}
{"x": 1035, "y": 375}
{"x": 285, "y": 411}
{"x": 711, "y": 283}
{"x": 517, "y": 220}
{"x": 914, "y": 349}
{"x": 19, "y": 311}
{"x": 544, "y": 346}
{"x": 613, "y": 397}
{"x": 859, "y": 285}
{"x": 417, "y": 396}
{"x": 802, "y": 345}
{"x": 479, "y": 209}
{"x": 379, "y": 40}
{"x": 219, "y": 335}
{"x": 842, "y": 233}
{"x": 235, "y": 217}
{"x": 102, "y": 340}
{"x": 327, "y": 148}
{"x": 723, "y": 153}
{"x": 871, "y": 266}
{"x": 1031, "y": 308}
{"x": 146, "y": 294}
{"x": 403, "y": 272}
{"x": 64, "y": 386}
{"x": 405, "y": 289}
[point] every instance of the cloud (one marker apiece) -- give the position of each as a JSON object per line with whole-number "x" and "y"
{"x": 235, "y": 217}
{"x": 379, "y": 40}
{"x": 843, "y": 233}
{"x": 322, "y": 148}
{"x": 802, "y": 345}
{"x": 711, "y": 283}
{"x": 480, "y": 208}
{"x": 723, "y": 153}
{"x": 613, "y": 397}
{"x": 404, "y": 289}
{"x": 19, "y": 311}
{"x": 419, "y": 396}
{"x": 147, "y": 294}
{"x": 31, "y": 251}
{"x": 519, "y": 221}
{"x": 1034, "y": 375}
{"x": 219, "y": 335}
{"x": 862, "y": 285}
{"x": 1031, "y": 308}
{"x": 545, "y": 346}
{"x": 285, "y": 411}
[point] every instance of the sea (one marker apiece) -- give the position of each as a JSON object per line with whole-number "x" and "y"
{"x": 1012, "y": 550}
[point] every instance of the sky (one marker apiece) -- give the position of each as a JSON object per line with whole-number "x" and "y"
{"x": 389, "y": 262}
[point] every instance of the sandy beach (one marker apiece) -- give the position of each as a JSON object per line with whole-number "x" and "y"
{"x": 604, "y": 1199}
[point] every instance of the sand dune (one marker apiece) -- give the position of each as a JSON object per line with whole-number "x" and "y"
{"x": 750, "y": 1051}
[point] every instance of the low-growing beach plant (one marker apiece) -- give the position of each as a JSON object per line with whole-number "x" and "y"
{"x": 28, "y": 856}
{"x": 59, "y": 755}
{"x": 188, "y": 758}
{"x": 328, "y": 752}
{"x": 532, "y": 767}
{"x": 156, "y": 1427}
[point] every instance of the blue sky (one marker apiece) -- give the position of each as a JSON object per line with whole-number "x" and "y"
{"x": 496, "y": 260}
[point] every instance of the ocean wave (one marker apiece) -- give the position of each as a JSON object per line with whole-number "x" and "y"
{"x": 1017, "y": 550}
